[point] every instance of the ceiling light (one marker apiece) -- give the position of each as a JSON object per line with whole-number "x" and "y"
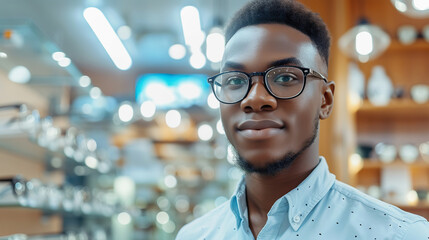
{"x": 108, "y": 38}
{"x": 3, "y": 55}
{"x": 124, "y": 32}
{"x": 205, "y": 132}
{"x": 64, "y": 62}
{"x": 191, "y": 26}
{"x": 400, "y": 6}
{"x": 197, "y": 60}
{"x": 95, "y": 92}
{"x": 364, "y": 41}
{"x": 412, "y": 8}
{"x": 215, "y": 43}
{"x": 148, "y": 109}
{"x": 84, "y": 81}
{"x": 212, "y": 101}
{"x": 177, "y": 51}
{"x": 125, "y": 112}
{"x": 19, "y": 74}
{"x": 173, "y": 118}
{"x": 421, "y": 5}
{"x": 57, "y": 56}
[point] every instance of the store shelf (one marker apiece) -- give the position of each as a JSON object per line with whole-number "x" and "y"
{"x": 420, "y": 205}
{"x": 59, "y": 211}
{"x": 377, "y": 164}
{"x": 397, "y": 108}
{"x": 179, "y": 142}
{"x": 419, "y": 44}
{"x": 13, "y": 195}
{"x": 23, "y": 146}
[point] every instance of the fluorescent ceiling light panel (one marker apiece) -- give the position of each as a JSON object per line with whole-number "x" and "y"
{"x": 108, "y": 38}
{"x": 191, "y": 26}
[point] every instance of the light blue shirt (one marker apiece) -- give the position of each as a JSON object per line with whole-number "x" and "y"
{"x": 319, "y": 208}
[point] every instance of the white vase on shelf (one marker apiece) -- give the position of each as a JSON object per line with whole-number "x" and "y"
{"x": 380, "y": 87}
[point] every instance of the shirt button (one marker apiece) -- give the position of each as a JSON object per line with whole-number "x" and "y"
{"x": 296, "y": 219}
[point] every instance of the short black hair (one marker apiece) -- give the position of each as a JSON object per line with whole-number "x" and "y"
{"x": 288, "y": 12}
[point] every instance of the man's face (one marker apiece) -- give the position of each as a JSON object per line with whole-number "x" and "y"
{"x": 265, "y": 130}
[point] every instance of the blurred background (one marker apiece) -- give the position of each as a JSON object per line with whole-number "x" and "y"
{"x": 109, "y": 130}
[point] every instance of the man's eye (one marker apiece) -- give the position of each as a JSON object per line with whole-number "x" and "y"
{"x": 235, "y": 81}
{"x": 285, "y": 79}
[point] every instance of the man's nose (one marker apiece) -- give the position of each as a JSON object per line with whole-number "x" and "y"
{"x": 258, "y": 99}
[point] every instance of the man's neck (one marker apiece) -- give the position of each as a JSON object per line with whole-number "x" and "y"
{"x": 262, "y": 191}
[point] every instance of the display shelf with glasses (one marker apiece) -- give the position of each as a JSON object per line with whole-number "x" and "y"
{"x": 62, "y": 152}
{"x": 65, "y": 200}
{"x": 40, "y": 140}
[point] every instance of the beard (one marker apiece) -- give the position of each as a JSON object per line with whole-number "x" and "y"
{"x": 276, "y": 165}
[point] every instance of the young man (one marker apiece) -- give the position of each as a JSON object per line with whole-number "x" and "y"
{"x": 273, "y": 92}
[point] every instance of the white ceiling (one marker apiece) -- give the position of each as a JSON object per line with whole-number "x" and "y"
{"x": 156, "y": 25}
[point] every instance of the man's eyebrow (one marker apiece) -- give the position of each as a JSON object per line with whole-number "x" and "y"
{"x": 286, "y": 61}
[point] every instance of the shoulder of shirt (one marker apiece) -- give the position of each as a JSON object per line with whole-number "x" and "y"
{"x": 417, "y": 231}
{"x": 212, "y": 219}
{"x": 370, "y": 202}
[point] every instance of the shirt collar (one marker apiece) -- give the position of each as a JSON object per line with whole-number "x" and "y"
{"x": 299, "y": 201}
{"x": 238, "y": 202}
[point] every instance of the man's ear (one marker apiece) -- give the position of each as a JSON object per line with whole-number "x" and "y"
{"x": 327, "y": 105}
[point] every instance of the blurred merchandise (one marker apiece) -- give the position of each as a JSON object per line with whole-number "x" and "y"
{"x": 386, "y": 152}
{"x": 380, "y": 87}
{"x": 407, "y": 34}
{"x": 408, "y": 153}
{"x": 420, "y": 93}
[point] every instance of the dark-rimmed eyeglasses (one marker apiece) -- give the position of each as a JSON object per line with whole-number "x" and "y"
{"x": 284, "y": 82}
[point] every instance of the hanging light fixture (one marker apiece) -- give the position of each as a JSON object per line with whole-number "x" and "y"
{"x": 412, "y": 8}
{"x": 364, "y": 41}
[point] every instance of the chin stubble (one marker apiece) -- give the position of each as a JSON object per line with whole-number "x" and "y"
{"x": 276, "y": 165}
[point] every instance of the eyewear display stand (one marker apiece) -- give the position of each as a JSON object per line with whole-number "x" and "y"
{"x": 68, "y": 236}
{"x": 86, "y": 211}
{"x": 66, "y": 200}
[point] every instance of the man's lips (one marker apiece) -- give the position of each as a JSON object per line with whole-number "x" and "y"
{"x": 259, "y": 130}
{"x": 259, "y": 125}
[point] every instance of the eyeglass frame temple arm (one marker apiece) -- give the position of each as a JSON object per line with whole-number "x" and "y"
{"x": 316, "y": 74}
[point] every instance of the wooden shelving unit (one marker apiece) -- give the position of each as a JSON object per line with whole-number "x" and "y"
{"x": 377, "y": 164}
{"x": 396, "y": 107}
{"x": 402, "y": 121}
{"x": 419, "y": 44}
